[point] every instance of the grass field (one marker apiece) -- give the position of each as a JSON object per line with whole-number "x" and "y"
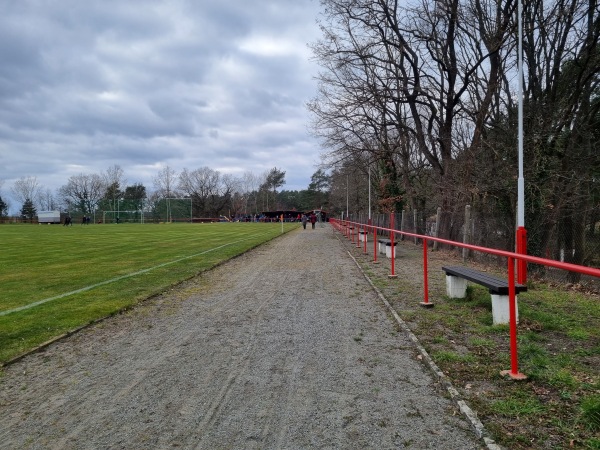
{"x": 54, "y": 279}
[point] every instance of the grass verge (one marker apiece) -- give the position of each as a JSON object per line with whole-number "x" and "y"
{"x": 558, "y": 406}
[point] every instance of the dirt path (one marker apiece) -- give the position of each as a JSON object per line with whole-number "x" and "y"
{"x": 286, "y": 347}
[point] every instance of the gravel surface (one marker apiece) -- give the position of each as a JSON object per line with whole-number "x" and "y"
{"x": 285, "y": 347}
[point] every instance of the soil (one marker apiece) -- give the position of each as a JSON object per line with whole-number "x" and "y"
{"x": 285, "y": 347}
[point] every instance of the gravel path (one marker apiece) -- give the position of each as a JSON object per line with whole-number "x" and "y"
{"x": 285, "y": 347}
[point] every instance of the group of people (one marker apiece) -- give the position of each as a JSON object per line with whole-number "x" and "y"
{"x": 312, "y": 219}
{"x": 85, "y": 220}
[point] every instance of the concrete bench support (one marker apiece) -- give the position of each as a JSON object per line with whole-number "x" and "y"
{"x": 501, "y": 309}
{"x": 390, "y": 250}
{"x": 456, "y": 287}
{"x": 385, "y": 247}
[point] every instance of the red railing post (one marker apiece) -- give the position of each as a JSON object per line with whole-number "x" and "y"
{"x": 522, "y": 250}
{"x": 365, "y": 236}
{"x": 512, "y": 304}
{"x": 425, "y": 301}
{"x": 375, "y": 249}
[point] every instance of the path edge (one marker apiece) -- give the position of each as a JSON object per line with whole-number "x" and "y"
{"x": 471, "y": 416}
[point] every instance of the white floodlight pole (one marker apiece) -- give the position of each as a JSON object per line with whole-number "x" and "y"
{"x": 521, "y": 181}
{"x": 347, "y": 209}
{"x": 521, "y": 231}
{"x": 369, "y": 169}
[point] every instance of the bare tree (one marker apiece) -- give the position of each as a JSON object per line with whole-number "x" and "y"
{"x": 221, "y": 197}
{"x": 26, "y": 189}
{"x": 349, "y": 190}
{"x": 165, "y": 186}
{"x": 249, "y": 185}
{"x": 200, "y": 185}
{"x": 239, "y": 198}
{"x": 165, "y": 182}
{"x": 46, "y": 200}
{"x": 82, "y": 193}
{"x": 400, "y": 79}
{"x": 115, "y": 175}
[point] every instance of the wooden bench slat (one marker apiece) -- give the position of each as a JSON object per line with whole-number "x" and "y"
{"x": 494, "y": 284}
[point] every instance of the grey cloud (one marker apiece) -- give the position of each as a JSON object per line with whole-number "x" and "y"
{"x": 85, "y": 85}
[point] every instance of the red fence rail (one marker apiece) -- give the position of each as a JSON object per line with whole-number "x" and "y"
{"x": 347, "y": 227}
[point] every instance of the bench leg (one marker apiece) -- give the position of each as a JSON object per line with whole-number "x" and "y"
{"x": 501, "y": 309}
{"x": 456, "y": 287}
{"x": 389, "y": 251}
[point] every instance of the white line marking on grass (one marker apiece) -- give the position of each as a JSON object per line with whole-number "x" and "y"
{"x": 112, "y": 280}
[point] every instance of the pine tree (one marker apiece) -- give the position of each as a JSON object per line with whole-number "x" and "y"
{"x": 28, "y": 210}
{"x": 3, "y": 208}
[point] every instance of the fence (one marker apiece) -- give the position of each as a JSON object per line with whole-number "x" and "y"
{"x": 352, "y": 229}
{"x": 473, "y": 226}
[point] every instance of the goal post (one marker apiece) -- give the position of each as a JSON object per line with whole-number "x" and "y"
{"x": 172, "y": 210}
{"x": 123, "y": 216}
{"x": 155, "y": 210}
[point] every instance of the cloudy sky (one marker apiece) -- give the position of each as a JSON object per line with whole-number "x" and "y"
{"x": 143, "y": 84}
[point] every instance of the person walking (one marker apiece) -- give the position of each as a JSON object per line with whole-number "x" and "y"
{"x": 313, "y": 220}
{"x": 304, "y": 220}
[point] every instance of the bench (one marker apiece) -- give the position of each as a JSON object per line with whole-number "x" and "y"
{"x": 385, "y": 247}
{"x": 456, "y": 287}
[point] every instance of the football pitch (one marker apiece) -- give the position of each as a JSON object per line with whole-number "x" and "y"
{"x": 54, "y": 279}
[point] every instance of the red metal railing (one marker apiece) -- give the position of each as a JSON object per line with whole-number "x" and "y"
{"x": 511, "y": 257}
